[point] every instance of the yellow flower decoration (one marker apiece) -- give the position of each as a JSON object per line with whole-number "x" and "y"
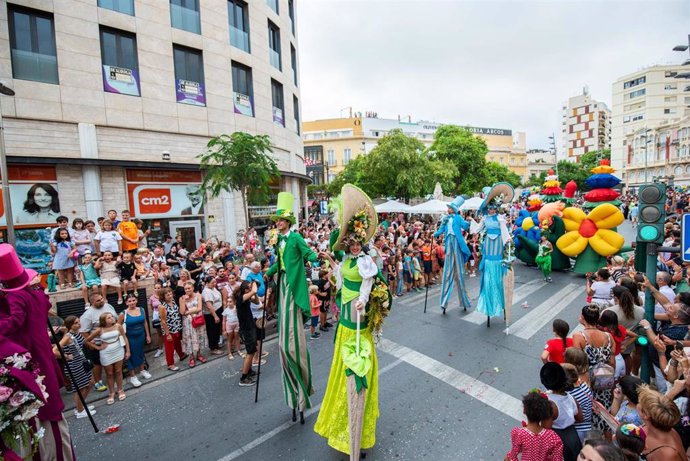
{"x": 593, "y": 229}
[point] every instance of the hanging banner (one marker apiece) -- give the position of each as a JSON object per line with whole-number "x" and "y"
{"x": 243, "y": 104}
{"x": 120, "y": 80}
{"x": 278, "y": 116}
{"x": 189, "y": 92}
{"x": 164, "y": 194}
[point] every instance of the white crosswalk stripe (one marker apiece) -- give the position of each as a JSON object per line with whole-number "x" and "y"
{"x": 519, "y": 294}
{"x": 538, "y": 317}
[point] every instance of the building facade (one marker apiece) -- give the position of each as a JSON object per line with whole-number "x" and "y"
{"x": 585, "y": 126}
{"x": 116, "y": 99}
{"x": 642, "y": 101}
{"x": 343, "y": 139}
{"x": 539, "y": 161}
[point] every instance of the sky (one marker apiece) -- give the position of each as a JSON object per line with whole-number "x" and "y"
{"x": 497, "y": 64}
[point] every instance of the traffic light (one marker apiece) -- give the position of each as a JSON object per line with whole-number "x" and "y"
{"x": 651, "y": 213}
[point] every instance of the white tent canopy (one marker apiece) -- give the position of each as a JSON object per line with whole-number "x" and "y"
{"x": 472, "y": 204}
{"x": 392, "y": 206}
{"x": 433, "y": 206}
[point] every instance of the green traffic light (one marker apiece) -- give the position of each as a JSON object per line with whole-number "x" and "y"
{"x": 649, "y": 233}
{"x": 642, "y": 340}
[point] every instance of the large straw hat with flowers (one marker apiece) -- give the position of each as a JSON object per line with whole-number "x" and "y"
{"x": 500, "y": 193}
{"x": 356, "y": 217}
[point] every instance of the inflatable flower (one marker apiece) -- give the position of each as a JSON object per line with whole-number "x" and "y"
{"x": 593, "y": 229}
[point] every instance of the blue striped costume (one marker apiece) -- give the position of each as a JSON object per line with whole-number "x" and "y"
{"x": 457, "y": 254}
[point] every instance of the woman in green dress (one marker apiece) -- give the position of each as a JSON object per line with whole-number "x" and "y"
{"x": 543, "y": 258}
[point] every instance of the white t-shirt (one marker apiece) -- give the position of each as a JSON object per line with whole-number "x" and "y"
{"x": 230, "y": 315}
{"x": 567, "y": 409}
{"x": 670, "y": 295}
{"x": 108, "y": 241}
{"x": 213, "y": 296}
{"x": 602, "y": 291}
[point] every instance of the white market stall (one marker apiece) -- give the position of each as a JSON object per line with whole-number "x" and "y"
{"x": 433, "y": 206}
{"x": 472, "y": 204}
{"x": 392, "y": 206}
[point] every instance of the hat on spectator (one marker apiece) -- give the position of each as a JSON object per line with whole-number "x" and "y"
{"x": 13, "y": 276}
{"x": 552, "y": 376}
{"x": 284, "y": 207}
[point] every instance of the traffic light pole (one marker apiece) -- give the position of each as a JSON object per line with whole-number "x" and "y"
{"x": 650, "y": 271}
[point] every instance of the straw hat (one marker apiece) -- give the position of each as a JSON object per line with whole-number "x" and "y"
{"x": 500, "y": 191}
{"x": 353, "y": 202}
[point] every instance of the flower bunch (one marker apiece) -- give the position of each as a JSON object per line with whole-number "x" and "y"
{"x": 358, "y": 226}
{"x": 273, "y": 239}
{"x": 20, "y": 385}
{"x": 379, "y": 307}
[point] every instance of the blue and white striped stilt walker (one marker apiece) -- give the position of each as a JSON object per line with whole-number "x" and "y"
{"x": 457, "y": 254}
{"x": 492, "y": 299}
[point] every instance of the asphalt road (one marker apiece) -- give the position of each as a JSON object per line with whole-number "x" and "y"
{"x": 449, "y": 388}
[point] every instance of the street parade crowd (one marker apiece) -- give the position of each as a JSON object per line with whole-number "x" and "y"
{"x": 340, "y": 275}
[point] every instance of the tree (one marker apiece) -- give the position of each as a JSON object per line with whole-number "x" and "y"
{"x": 591, "y": 159}
{"x": 536, "y": 181}
{"x": 351, "y": 175}
{"x": 575, "y": 171}
{"x": 495, "y": 172}
{"x": 240, "y": 162}
{"x": 466, "y": 152}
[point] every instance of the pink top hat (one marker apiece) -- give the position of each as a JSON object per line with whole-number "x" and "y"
{"x": 13, "y": 276}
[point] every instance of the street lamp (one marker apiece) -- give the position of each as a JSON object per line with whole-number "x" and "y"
{"x": 7, "y": 91}
{"x": 555, "y": 152}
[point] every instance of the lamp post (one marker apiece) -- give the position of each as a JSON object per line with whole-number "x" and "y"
{"x": 555, "y": 151}
{"x": 5, "y": 175}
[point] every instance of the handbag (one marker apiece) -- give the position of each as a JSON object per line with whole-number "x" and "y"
{"x": 87, "y": 364}
{"x": 602, "y": 377}
{"x": 198, "y": 321}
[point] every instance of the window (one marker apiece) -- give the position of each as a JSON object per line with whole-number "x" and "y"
{"x": 278, "y": 105}
{"x": 636, "y": 93}
{"x": 242, "y": 92}
{"x": 669, "y": 111}
{"x": 635, "y": 82}
{"x": 291, "y": 13}
{"x": 122, "y": 6}
{"x": 347, "y": 155}
{"x": 331, "y": 177}
{"x": 184, "y": 14}
{"x": 274, "y": 45}
{"x": 239, "y": 24}
{"x": 32, "y": 40}
{"x": 637, "y": 117}
{"x": 295, "y": 108}
{"x": 670, "y": 73}
{"x": 120, "y": 64}
{"x": 670, "y": 99}
{"x": 273, "y": 4}
{"x": 331, "y": 157}
{"x": 189, "y": 76}
{"x": 671, "y": 86}
{"x": 293, "y": 59}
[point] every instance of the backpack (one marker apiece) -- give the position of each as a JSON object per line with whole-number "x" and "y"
{"x": 602, "y": 376}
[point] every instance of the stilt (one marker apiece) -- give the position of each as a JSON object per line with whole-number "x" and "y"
{"x": 444, "y": 310}
{"x": 294, "y": 415}
{"x": 488, "y": 321}
{"x": 301, "y": 417}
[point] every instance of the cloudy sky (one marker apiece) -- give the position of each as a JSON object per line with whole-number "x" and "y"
{"x": 500, "y": 64}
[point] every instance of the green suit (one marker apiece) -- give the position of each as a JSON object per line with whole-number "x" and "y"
{"x": 293, "y": 302}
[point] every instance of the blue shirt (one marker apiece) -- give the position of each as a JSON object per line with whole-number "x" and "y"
{"x": 259, "y": 278}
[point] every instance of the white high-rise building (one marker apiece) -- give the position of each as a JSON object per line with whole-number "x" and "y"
{"x": 586, "y": 126}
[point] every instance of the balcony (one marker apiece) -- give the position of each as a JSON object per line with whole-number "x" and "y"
{"x": 239, "y": 39}
{"x": 34, "y": 66}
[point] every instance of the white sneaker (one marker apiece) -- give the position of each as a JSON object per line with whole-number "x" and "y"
{"x": 158, "y": 353}
{"x": 134, "y": 381}
{"x": 145, "y": 374}
{"x": 82, "y": 414}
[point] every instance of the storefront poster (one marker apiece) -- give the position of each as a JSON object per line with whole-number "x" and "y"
{"x": 164, "y": 194}
{"x": 34, "y": 195}
{"x": 189, "y": 92}
{"x": 278, "y": 116}
{"x": 120, "y": 80}
{"x": 33, "y": 249}
{"x": 243, "y": 104}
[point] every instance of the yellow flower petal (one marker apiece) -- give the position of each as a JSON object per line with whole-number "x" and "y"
{"x": 606, "y": 216}
{"x": 572, "y": 218}
{"x": 606, "y": 242}
{"x": 572, "y": 243}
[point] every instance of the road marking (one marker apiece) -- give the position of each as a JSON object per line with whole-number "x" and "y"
{"x": 506, "y": 404}
{"x": 535, "y": 320}
{"x": 285, "y": 426}
{"x": 519, "y": 294}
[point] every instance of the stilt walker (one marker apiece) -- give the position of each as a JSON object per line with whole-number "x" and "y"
{"x": 457, "y": 254}
{"x": 293, "y": 302}
{"x": 350, "y": 406}
{"x": 496, "y": 238}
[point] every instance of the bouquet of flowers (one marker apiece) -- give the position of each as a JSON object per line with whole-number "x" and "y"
{"x": 379, "y": 307}
{"x": 22, "y": 393}
{"x": 358, "y": 226}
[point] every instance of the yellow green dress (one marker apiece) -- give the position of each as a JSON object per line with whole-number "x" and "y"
{"x": 356, "y": 277}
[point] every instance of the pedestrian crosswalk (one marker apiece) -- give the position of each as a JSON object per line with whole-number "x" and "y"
{"x": 541, "y": 315}
{"x": 519, "y": 295}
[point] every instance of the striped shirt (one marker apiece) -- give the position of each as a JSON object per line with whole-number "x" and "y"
{"x": 583, "y": 396}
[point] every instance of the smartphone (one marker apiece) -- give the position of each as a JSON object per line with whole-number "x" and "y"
{"x": 679, "y": 346}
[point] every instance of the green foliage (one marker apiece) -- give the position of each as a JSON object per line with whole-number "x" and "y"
{"x": 537, "y": 181}
{"x": 315, "y": 190}
{"x": 467, "y": 152}
{"x": 575, "y": 171}
{"x": 240, "y": 162}
{"x": 351, "y": 174}
{"x": 592, "y": 158}
{"x": 495, "y": 172}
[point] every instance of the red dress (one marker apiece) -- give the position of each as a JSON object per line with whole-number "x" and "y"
{"x": 545, "y": 446}
{"x": 556, "y": 349}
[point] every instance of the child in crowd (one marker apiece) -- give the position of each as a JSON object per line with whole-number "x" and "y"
{"x": 146, "y": 257}
{"x": 535, "y": 441}
{"x": 580, "y": 390}
{"x": 140, "y": 270}
{"x": 81, "y": 236}
{"x": 474, "y": 255}
{"x": 555, "y": 347}
{"x": 631, "y": 440}
{"x": 407, "y": 264}
{"x": 61, "y": 248}
{"x": 417, "y": 271}
{"x": 565, "y": 409}
{"x": 315, "y": 305}
{"x": 608, "y": 322}
{"x": 154, "y": 304}
{"x": 625, "y": 401}
{"x": 399, "y": 267}
{"x": 323, "y": 294}
{"x": 231, "y": 328}
{"x": 128, "y": 274}
{"x": 112, "y": 353}
{"x": 87, "y": 276}
{"x": 110, "y": 276}
{"x": 108, "y": 239}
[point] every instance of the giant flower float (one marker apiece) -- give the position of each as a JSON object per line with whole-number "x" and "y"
{"x": 551, "y": 224}
{"x": 591, "y": 237}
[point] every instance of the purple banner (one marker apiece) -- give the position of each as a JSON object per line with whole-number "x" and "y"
{"x": 278, "y": 116}
{"x": 189, "y": 92}
{"x": 120, "y": 80}
{"x": 243, "y": 104}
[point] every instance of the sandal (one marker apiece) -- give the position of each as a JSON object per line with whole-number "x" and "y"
{"x": 121, "y": 396}
{"x": 111, "y": 399}
{"x": 174, "y": 368}
{"x": 192, "y": 363}
{"x": 231, "y": 357}
{"x": 201, "y": 358}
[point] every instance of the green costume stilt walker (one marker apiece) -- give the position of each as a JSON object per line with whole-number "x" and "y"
{"x": 293, "y": 301}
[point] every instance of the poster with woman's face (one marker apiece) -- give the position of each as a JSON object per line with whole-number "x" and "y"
{"x": 32, "y": 204}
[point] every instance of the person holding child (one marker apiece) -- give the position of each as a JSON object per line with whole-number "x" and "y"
{"x": 114, "y": 348}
